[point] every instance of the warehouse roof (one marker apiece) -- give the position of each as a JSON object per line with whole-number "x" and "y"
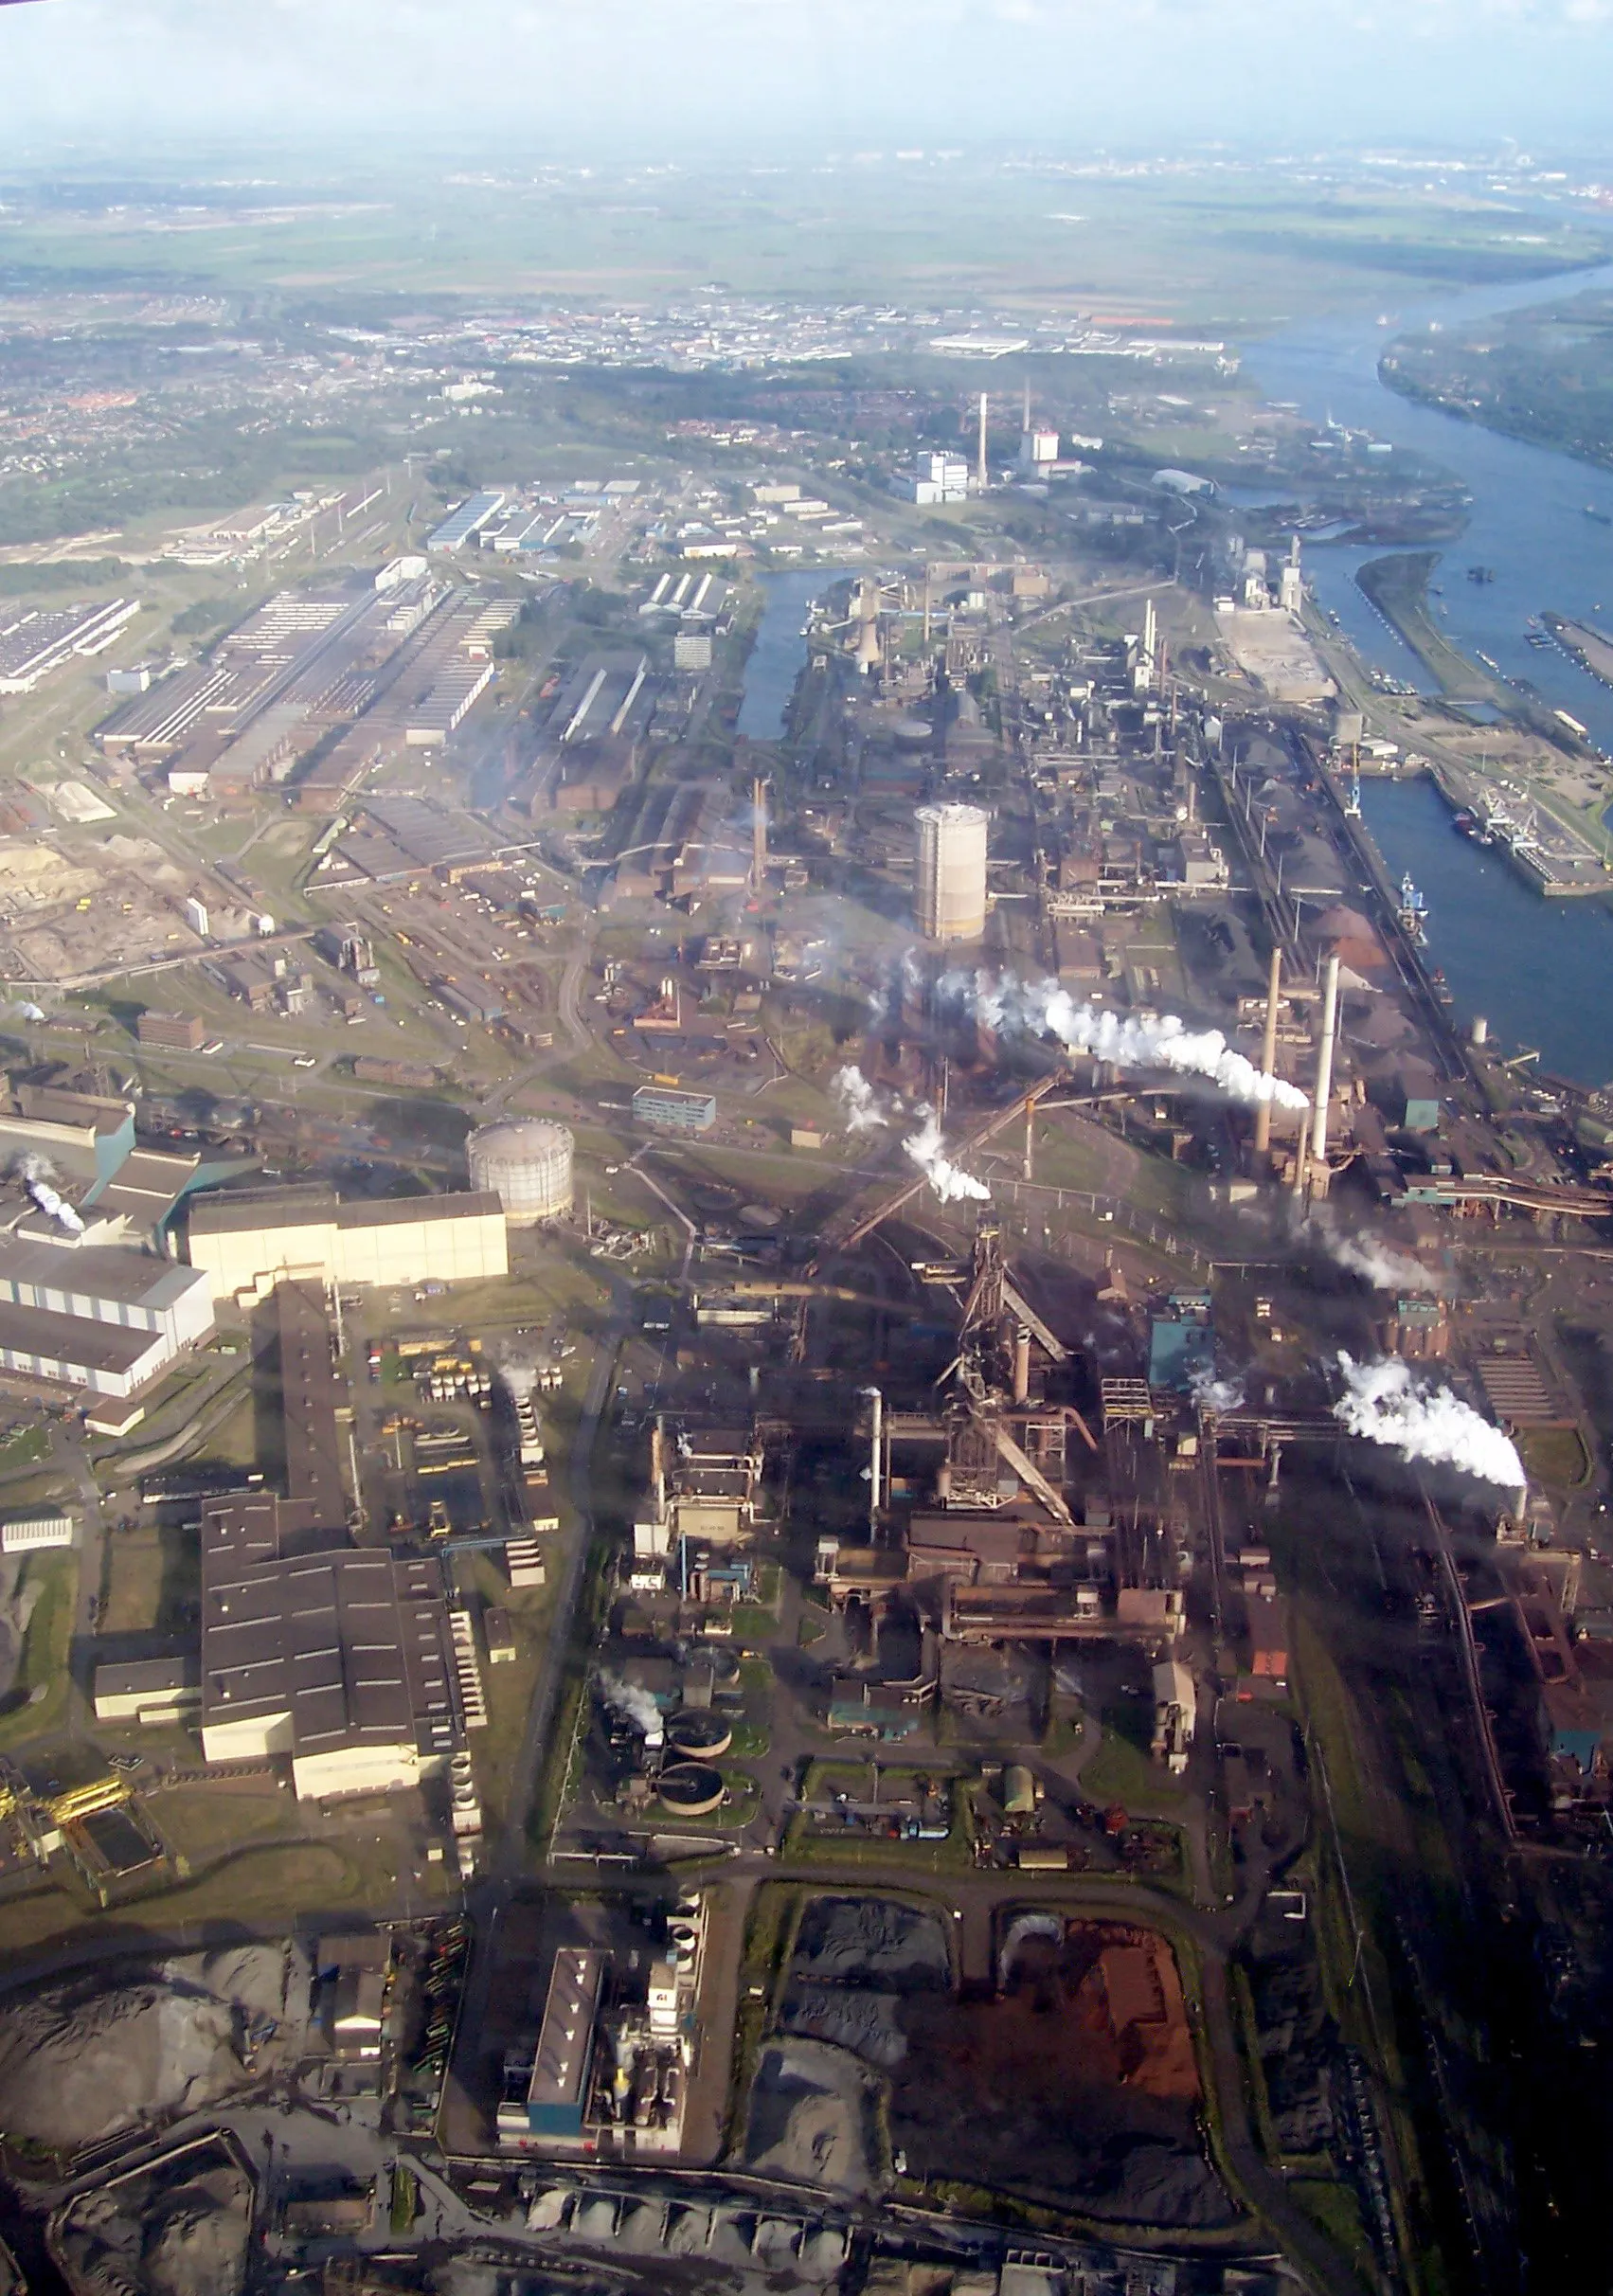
{"x": 77, "y": 1342}
{"x": 243, "y": 1209}
{"x": 98, "y": 1271}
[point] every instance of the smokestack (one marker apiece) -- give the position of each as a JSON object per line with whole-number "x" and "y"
{"x": 1269, "y": 1048}
{"x": 876, "y": 1451}
{"x": 1025, "y": 427}
{"x": 1324, "y": 1064}
{"x": 981, "y": 456}
{"x": 659, "y": 1469}
{"x": 1022, "y": 1365}
{"x": 759, "y": 836}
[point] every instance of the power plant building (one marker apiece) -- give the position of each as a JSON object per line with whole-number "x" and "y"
{"x": 527, "y": 1165}
{"x": 949, "y": 884}
{"x": 247, "y": 1240}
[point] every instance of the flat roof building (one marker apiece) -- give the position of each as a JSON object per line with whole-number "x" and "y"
{"x": 333, "y": 1655}
{"x": 673, "y": 1111}
{"x": 246, "y": 1240}
{"x": 97, "y": 1315}
{"x": 557, "y": 2097}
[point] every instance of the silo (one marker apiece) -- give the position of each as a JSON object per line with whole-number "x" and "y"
{"x": 949, "y": 883}
{"x": 527, "y": 1164}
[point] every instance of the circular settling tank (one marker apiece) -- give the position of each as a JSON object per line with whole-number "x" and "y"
{"x": 527, "y": 1164}
{"x": 692, "y": 1789}
{"x": 700, "y": 1735}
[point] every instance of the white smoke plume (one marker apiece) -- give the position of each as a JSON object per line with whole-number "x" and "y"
{"x": 636, "y": 1705}
{"x": 518, "y": 1374}
{"x": 1377, "y": 1262}
{"x": 1160, "y": 1040}
{"x": 1213, "y": 1394}
{"x": 35, "y": 1175}
{"x": 1383, "y": 1403}
{"x": 859, "y": 1109}
{"x": 951, "y": 1183}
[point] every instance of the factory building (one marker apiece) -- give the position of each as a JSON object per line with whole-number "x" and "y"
{"x": 94, "y": 1315}
{"x": 247, "y": 1240}
{"x": 336, "y": 1655}
{"x": 949, "y": 884}
{"x": 935, "y": 478}
{"x": 460, "y": 526}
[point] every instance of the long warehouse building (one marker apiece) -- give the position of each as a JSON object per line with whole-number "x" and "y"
{"x": 248, "y": 1238}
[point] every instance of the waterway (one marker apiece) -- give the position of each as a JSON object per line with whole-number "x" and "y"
{"x": 779, "y": 651}
{"x": 1506, "y": 952}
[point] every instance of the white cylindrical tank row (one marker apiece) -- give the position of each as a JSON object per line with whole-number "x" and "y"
{"x": 527, "y": 1164}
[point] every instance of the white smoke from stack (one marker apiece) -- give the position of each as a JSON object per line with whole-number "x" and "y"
{"x": 1376, "y": 1262}
{"x": 1213, "y": 1394}
{"x": 518, "y": 1376}
{"x": 859, "y": 1110}
{"x": 636, "y": 1705}
{"x": 1160, "y": 1040}
{"x": 35, "y": 1175}
{"x": 1384, "y": 1404}
{"x": 951, "y": 1183}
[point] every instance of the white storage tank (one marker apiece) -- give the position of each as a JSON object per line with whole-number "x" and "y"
{"x": 527, "y": 1164}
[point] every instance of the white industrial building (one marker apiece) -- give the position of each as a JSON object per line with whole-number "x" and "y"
{"x": 247, "y": 1240}
{"x": 935, "y": 478}
{"x": 949, "y": 884}
{"x": 95, "y": 1316}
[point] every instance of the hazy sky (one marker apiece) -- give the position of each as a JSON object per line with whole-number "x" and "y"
{"x": 661, "y": 73}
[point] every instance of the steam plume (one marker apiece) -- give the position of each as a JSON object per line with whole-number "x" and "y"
{"x": 1213, "y": 1394}
{"x": 34, "y": 1173}
{"x": 950, "y": 1184}
{"x": 1383, "y": 1403}
{"x": 1377, "y": 1262}
{"x": 636, "y": 1705}
{"x": 859, "y": 1110}
{"x": 1042, "y": 1007}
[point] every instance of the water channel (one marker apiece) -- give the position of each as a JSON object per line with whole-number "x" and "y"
{"x": 1541, "y": 971}
{"x": 775, "y": 658}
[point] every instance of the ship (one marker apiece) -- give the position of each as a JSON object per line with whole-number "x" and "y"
{"x": 1601, "y": 516}
{"x": 1465, "y": 821}
{"x": 1480, "y": 573}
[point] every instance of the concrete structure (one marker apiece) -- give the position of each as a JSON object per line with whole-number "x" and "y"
{"x": 527, "y": 1164}
{"x": 949, "y": 883}
{"x": 247, "y": 1240}
{"x": 148, "y": 1691}
{"x": 171, "y": 1032}
{"x": 95, "y": 1316}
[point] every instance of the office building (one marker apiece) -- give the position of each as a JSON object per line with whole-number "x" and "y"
{"x": 671, "y": 1111}
{"x": 949, "y": 888}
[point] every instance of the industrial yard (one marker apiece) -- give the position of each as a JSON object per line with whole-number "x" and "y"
{"x": 802, "y": 1461}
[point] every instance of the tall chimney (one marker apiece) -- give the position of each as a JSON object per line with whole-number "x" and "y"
{"x": 876, "y": 1470}
{"x": 1269, "y": 1051}
{"x": 1325, "y": 1064}
{"x": 981, "y": 456}
{"x": 1022, "y": 1365}
{"x": 759, "y": 836}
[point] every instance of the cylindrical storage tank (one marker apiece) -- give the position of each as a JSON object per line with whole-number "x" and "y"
{"x": 949, "y": 881}
{"x": 698, "y": 1734}
{"x": 691, "y": 1789}
{"x": 527, "y": 1164}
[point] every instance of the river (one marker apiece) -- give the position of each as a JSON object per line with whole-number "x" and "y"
{"x": 1506, "y": 953}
